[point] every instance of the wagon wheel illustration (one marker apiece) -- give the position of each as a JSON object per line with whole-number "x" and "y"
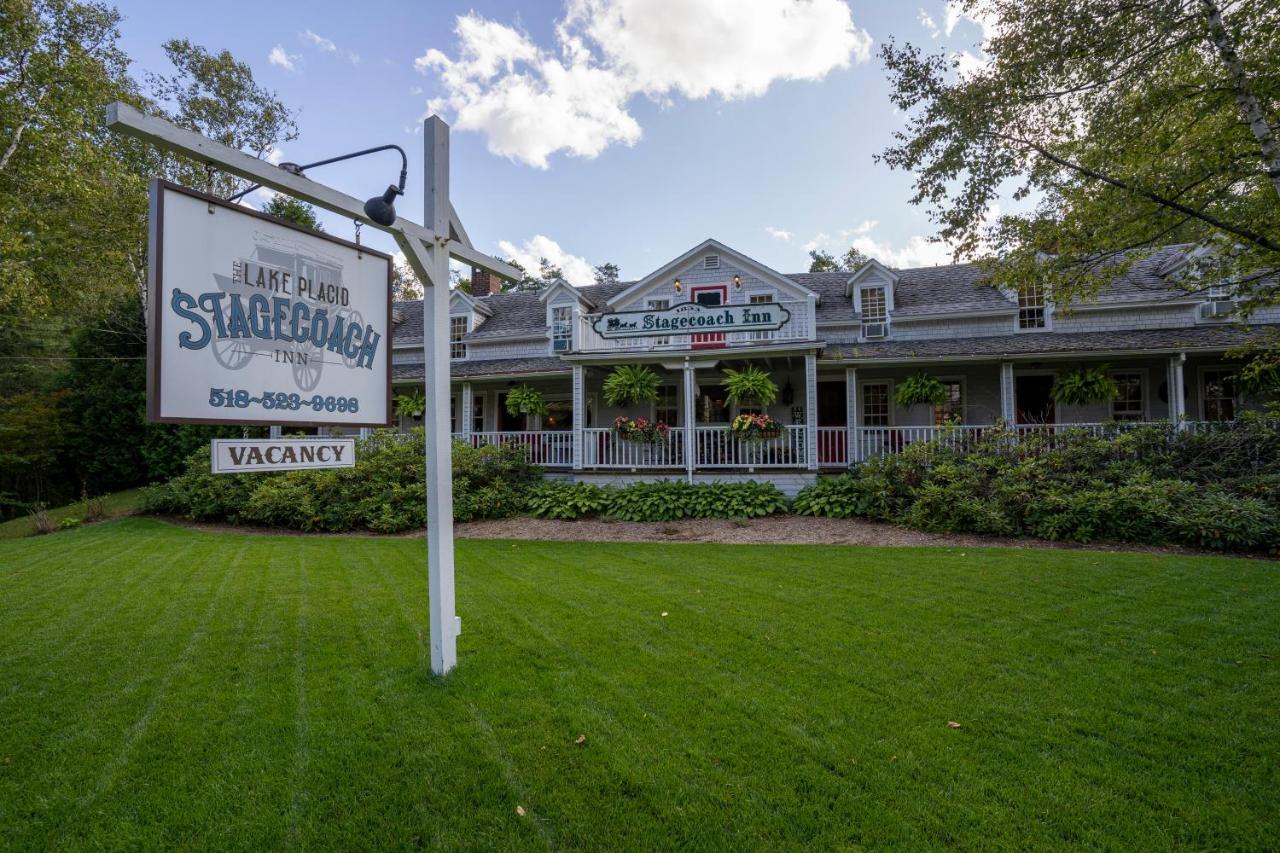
{"x": 354, "y": 318}
{"x": 307, "y": 376}
{"x": 232, "y": 353}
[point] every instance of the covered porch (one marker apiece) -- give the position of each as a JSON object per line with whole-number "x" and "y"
{"x": 833, "y": 415}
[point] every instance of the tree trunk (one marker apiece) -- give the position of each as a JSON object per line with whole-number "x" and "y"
{"x": 1245, "y": 97}
{"x": 13, "y": 145}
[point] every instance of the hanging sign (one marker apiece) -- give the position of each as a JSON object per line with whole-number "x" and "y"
{"x": 692, "y": 317}
{"x": 241, "y": 455}
{"x": 251, "y": 320}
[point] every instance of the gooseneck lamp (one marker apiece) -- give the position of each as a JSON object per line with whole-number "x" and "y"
{"x": 381, "y": 208}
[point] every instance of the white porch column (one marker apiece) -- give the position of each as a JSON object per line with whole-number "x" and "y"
{"x": 852, "y": 417}
{"x": 275, "y": 431}
{"x": 811, "y": 411}
{"x": 1008, "y": 406}
{"x": 1177, "y": 391}
{"x": 579, "y": 414}
{"x": 690, "y": 418}
{"x": 468, "y": 412}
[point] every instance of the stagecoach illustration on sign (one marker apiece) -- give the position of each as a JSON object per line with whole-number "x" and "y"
{"x": 284, "y": 254}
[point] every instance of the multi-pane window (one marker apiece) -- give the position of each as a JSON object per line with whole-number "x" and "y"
{"x": 659, "y": 305}
{"x": 1031, "y": 306}
{"x": 1128, "y": 404}
{"x": 666, "y": 407}
{"x": 761, "y": 299}
{"x": 875, "y": 307}
{"x": 457, "y": 330}
{"x": 477, "y": 413}
{"x": 561, "y": 328}
{"x": 875, "y": 404}
{"x": 1219, "y": 394}
{"x": 952, "y": 406}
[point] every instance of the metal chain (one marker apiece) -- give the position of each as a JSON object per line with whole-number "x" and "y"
{"x": 358, "y": 224}
{"x": 208, "y": 184}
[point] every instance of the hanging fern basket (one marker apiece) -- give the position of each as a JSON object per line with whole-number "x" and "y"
{"x": 1085, "y": 385}
{"x": 525, "y": 400}
{"x": 920, "y": 388}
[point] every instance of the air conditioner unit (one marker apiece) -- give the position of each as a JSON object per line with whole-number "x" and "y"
{"x": 1217, "y": 309}
{"x": 560, "y": 344}
{"x": 875, "y": 331}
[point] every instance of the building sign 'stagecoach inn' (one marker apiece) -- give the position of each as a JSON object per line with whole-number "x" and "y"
{"x": 253, "y": 320}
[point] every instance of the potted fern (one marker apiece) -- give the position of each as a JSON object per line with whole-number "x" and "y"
{"x": 631, "y": 384}
{"x": 525, "y": 400}
{"x": 920, "y": 388}
{"x": 752, "y": 387}
{"x": 411, "y": 404}
{"x": 1085, "y": 385}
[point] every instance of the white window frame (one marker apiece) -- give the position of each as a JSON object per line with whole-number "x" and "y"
{"x": 567, "y": 324}
{"x": 659, "y": 303}
{"x": 767, "y": 298}
{"x": 964, "y": 397}
{"x": 677, "y": 400}
{"x": 458, "y": 346}
{"x": 1144, "y": 392}
{"x": 883, "y": 317}
{"x": 478, "y": 412}
{"x": 1237, "y": 400}
{"x": 862, "y": 403}
{"x": 1045, "y": 308}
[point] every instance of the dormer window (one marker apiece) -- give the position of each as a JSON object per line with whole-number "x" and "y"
{"x": 561, "y": 328}
{"x": 457, "y": 331}
{"x": 1031, "y": 307}
{"x": 875, "y": 312}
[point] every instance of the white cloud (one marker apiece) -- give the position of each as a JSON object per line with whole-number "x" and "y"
{"x": 532, "y": 102}
{"x": 969, "y": 61}
{"x": 287, "y": 61}
{"x": 353, "y": 57}
{"x": 931, "y": 26}
{"x": 275, "y": 156}
{"x": 779, "y": 234}
{"x": 819, "y": 240}
{"x": 319, "y": 41}
{"x": 577, "y": 271}
{"x": 918, "y": 251}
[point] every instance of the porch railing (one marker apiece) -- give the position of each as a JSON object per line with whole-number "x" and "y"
{"x": 718, "y": 447}
{"x": 552, "y": 448}
{"x": 604, "y": 448}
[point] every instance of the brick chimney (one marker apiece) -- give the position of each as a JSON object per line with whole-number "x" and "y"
{"x": 482, "y": 282}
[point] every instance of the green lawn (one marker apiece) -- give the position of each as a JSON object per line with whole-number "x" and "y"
{"x": 163, "y": 687}
{"x": 115, "y": 504}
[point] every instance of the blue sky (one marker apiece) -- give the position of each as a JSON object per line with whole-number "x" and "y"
{"x": 601, "y": 130}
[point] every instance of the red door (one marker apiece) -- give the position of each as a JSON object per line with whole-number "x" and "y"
{"x": 711, "y": 294}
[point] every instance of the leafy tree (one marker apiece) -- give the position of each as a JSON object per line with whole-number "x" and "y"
{"x": 1131, "y": 124}
{"x": 525, "y": 282}
{"x": 293, "y": 210}
{"x": 821, "y": 260}
{"x": 549, "y": 271}
{"x": 607, "y": 273}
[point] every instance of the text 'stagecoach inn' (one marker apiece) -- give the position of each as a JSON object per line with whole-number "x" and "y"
{"x": 835, "y": 344}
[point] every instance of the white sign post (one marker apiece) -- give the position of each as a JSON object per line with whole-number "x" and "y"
{"x": 428, "y": 251}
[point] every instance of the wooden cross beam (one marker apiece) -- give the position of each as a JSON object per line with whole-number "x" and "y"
{"x": 123, "y": 118}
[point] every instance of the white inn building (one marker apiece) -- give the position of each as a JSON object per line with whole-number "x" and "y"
{"x": 845, "y": 342}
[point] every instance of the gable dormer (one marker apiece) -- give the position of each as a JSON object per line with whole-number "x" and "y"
{"x": 465, "y": 314}
{"x": 711, "y": 264}
{"x": 564, "y": 304}
{"x": 871, "y": 289}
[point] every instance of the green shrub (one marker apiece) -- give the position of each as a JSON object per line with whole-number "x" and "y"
{"x": 384, "y": 492}
{"x": 1214, "y": 519}
{"x": 662, "y": 500}
{"x": 736, "y": 500}
{"x": 69, "y": 523}
{"x": 568, "y": 501}
{"x": 852, "y": 495}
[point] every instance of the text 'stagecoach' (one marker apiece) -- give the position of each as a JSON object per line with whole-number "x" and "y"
{"x": 252, "y": 320}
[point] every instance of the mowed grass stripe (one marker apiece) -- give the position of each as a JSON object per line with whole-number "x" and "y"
{"x": 797, "y": 699}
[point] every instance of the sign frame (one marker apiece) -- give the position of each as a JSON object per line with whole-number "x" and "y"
{"x": 346, "y": 441}
{"x": 599, "y": 324}
{"x": 155, "y": 314}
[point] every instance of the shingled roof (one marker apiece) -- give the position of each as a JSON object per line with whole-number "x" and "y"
{"x": 1214, "y": 338}
{"x": 945, "y": 289}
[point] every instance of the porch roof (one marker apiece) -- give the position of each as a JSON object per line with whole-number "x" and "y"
{"x": 1133, "y": 342}
{"x": 488, "y": 367}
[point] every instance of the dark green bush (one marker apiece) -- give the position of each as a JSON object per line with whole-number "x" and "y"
{"x": 385, "y": 492}
{"x": 568, "y": 501}
{"x": 663, "y": 500}
{"x": 1152, "y": 485}
{"x": 1217, "y": 520}
{"x": 669, "y": 500}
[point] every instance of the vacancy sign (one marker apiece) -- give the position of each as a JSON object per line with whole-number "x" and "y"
{"x": 246, "y": 455}
{"x": 251, "y": 320}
